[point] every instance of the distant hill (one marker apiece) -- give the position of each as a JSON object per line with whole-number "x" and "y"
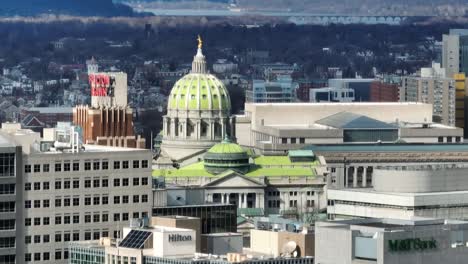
{"x": 71, "y": 7}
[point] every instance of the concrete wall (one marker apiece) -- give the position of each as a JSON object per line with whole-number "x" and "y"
{"x": 221, "y": 244}
{"x": 271, "y": 243}
{"x": 309, "y": 113}
{"x": 424, "y": 180}
{"x": 192, "y": 223}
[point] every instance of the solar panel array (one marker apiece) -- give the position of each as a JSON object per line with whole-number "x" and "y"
{"x": 135, "y": 239}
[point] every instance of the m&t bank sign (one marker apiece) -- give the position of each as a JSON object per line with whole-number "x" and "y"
{"x": 411, "y": 244}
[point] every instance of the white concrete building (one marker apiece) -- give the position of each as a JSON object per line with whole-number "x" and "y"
{"x": 403, "y": 192}
{"x": 277, "y": 128}
{"x": 70, "y": 192}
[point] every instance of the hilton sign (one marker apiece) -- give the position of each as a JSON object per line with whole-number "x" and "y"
{"x": 179, "y": 238}
{"x": 411, "y": 244}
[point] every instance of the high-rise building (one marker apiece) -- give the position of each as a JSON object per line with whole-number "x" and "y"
{"x": 385, "y": 89}
{"x": 281, "y": 90}
{"x": 433, "y": 87}
{"x": 109, "y": 119}
{"x": 66, "y": 192}
{"x": 455, "y": 51}
{"x": 11, "y": 202}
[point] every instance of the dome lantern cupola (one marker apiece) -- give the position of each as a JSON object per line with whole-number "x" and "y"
{"x": 199, "y": 62}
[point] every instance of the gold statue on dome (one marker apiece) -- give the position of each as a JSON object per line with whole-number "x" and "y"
{"x": 200, "y": 42}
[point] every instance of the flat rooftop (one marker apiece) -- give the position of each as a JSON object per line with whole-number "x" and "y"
{"x": 405, "y": 147}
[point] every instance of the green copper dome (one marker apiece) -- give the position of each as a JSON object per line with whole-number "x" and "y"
{"x": 226, "y": 155}
{"x": 199, "y": 91}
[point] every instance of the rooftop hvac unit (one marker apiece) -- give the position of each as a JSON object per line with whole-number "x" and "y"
{"x": 290, "y": 250}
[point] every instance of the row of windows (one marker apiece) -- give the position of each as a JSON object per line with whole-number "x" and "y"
{"x": 75, "y": 201}
{"x": 88, "y": 218}
{"x": 88, "y": 165}
{"x": 28, "y": 257}
{"x": 7, "y": 242}
{"x": 88, "y": 183}
{"x": 292, "y": 141}
{"x": 294, "y": 193}
{"x": 8, "y": 188}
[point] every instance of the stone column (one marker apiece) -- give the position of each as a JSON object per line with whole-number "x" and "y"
{"x": 304, "y": 198}
{"x": 346, "y": 176}
{"x": 281, "y": 200}
{"x": 239, "y": 205}
{"x": 355, "y": 172}
{"x": 257, "y": 201}
{"x": 209, "y": 197}
{"x": 364, "y": 177}
{"x": 261, "y": 200}
{"x": 222, "y": 198}
{"x": 223, "y": 128}
{"x": 228, "y": 198}
{"x": 245, "y": 200}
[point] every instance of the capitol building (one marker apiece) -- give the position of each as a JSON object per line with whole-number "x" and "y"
{"x": 198, "y": 113}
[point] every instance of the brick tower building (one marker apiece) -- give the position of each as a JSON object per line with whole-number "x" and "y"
{"x": 109, "y": 120}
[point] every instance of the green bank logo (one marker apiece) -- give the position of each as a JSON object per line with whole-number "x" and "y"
{"x": 411, "y": 244}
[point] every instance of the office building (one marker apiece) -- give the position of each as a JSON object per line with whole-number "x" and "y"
{"x": 280, "y": 90}
{"x": 360, "y": 160}
{"x": 461, "y": 92}
{"x": 330, "y": 94}
{"x": 108, "y": 120}
{"x": 278, "y": 128}
{"x": 360, "y": 86}
{"x": 385, "y": 88}
{"x": 390, "y": 241}
{"x": 455, "y": 52}
{"x": 11, "y": 191}
{"x": 432, "y": 87}
{"x": 405, "y": 191}
{"x": 70, "y": 192}
{"x": 145, "y": 244}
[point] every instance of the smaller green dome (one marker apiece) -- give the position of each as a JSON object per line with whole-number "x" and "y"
{"x": 226, "y": 155}
{"x": 226, "y": 147}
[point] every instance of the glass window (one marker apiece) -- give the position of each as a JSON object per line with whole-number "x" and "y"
{"x": 96, "y": 165}
{"x": 66, "y": 166}
{"x": 37, "y": 167}
{"x": 105, "y": 183}
{"x": 76, "y": 165}
{"x": 27, "y": 168}
{"x": 66, "y": 184}
{"x": 58, "y": 220}
{"x": 58, "y": 166}
{"x": 87, "y": 165}
{"x": 96, "y": 183}
{"x": 105, "y": 165}
{"x": 125, "y": 182}
{"x": 58, "y": 185}
{"x": 144, "y": 164}
{"x": 125, "y": 164}
{"x": 116, "y": 182}
{"x": 45, "y": 167}
{"x": 136, "y": 181}
{"x": 116, "y": 199}
{"x": 27, "y": 186}
{"x": 105, "y": 200}
{"x": 7, "y": 164}
{"x": 45, "y": 185}
{"x": 144, "y": 181}
{"x": 58, "y": 237}
{"x": 116, "y": 165}
{"x": 76, "y": 184}
{"x": 136, "y": 164}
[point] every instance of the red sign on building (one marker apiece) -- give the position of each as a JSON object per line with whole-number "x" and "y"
{"x": 99, "y": 84}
